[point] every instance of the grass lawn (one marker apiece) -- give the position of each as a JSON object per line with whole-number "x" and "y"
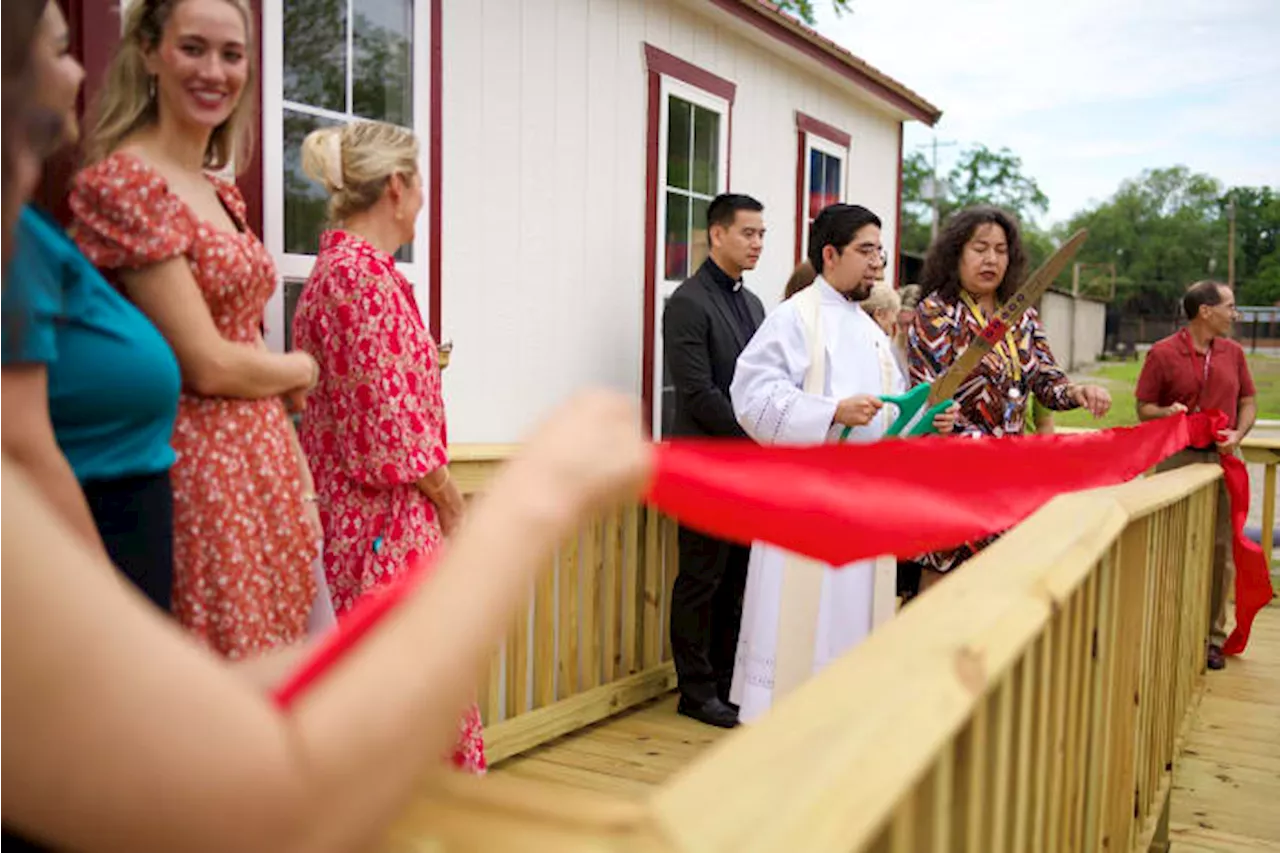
{"x": 1120, "y": 378}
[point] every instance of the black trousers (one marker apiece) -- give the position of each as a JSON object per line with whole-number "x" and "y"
{"x": 706, "y": 613}
{"x": 134, "y": 516}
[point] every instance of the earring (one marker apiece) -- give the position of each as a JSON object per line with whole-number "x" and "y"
{"x": 151, "y": 87}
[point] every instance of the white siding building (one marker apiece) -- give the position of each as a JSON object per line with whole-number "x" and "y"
{"x": 569, "y": 149}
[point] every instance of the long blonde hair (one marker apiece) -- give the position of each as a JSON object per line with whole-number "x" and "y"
{"x": 126, "y": 104}
{"x": 353, "y": 162}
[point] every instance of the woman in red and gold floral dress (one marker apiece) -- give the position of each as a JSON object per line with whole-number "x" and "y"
{"x": 374, "y": 427}
{"x": 150, "y": 215}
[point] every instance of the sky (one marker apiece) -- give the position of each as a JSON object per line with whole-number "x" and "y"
{"x": 1086, "y": 92}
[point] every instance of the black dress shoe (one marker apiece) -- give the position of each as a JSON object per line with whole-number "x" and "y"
{"x": 713, "y": 712}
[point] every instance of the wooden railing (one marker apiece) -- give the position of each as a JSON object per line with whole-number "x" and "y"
{"x": 593, "y": 639}
{"x": 1031, "y": 702}
{"x": 1265, "y": 452}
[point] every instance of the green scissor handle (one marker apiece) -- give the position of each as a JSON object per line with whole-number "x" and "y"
{"x": 914, "y": 418}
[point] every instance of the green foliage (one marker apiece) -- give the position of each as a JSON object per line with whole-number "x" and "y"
{"x": 803, "y": 9}
{"x": 1162, "y": 230}
{"x": 1168, "y": 227}
{"x": 916, "y": 210}
{"x": 979, "y": 176}
{"x": 1257, "y": 211}
{"x": 983, "y": 176}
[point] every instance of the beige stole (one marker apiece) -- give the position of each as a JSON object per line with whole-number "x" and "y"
{"x": 802, "y": 576}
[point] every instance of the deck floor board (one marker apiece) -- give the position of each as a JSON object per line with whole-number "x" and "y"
{"x": 1226, "y": 785}
{"x": 1226, "y": 790}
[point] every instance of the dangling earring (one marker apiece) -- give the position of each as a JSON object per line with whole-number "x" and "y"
{"x": 151, "y": 87}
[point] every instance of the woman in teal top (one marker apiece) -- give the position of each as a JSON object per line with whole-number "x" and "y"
{"x": 112, "y": 395}
{"x": 90, "y": 388}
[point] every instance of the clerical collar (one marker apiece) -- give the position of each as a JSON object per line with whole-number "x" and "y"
{"x": 721, "y": 277}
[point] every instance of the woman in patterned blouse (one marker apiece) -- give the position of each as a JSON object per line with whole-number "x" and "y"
{"x": 374, "y": 428}
{"x": 974, "y": 265}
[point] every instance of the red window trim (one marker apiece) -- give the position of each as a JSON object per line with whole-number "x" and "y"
{"x": 660, "y": 63}
{"x": 809, "y": 124}
{"x": 805, "y": 126}
{"x": 435, "y": 159}
{"x": 897, "y": 232}
{"x": 94, "y": 31}
{"x": 250, "y": 179}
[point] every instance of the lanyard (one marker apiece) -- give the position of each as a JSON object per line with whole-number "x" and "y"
{"x": 1014, "y": 361}
{"x": 1208, "y": 360}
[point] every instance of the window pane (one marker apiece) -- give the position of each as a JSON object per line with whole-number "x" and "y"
{"x": 676, "y": 266}
{"x": 706, "y": 151}
{"x": 678, "y": 120}
{"x": 304, "y": 200}
{"x": 816, "y": 183}
{"x": 382, "y": 76}
{"x": 832, "y": 179}
{"x": 315, "y": 53}
{"x": 292, "y": 292}
{"x": 698, "y": 246}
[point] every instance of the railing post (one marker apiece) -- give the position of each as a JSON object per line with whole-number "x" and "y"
{"x": 1122, "y": 813}
{"x": 1269, "y": 512}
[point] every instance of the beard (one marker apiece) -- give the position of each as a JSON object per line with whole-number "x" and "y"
{"x": 859, "y": 291}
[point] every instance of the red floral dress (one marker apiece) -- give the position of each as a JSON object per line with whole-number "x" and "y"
{"x": 242, "y": 547}
{"x": 373, "y": 427}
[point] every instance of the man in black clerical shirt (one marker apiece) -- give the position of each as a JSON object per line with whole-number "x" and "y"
{"x": 705, "y": 326}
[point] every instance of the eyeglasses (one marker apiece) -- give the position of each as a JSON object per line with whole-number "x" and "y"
{"x": 873, "y": 252}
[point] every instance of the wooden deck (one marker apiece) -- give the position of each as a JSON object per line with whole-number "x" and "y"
{"x": 629, "y": 753}
{"x": 1226, "y": 794}
{"x": 1226, "y": 788}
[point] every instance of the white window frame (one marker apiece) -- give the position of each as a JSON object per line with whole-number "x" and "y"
{"x": 663, "y": 288}
{"x": 814, "y": 142}
{"x": 291, "y": 266}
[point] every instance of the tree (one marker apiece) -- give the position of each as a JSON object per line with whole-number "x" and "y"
{"x": 1162, "y": 230}
{"x": 916, "y": 210}
{"x": 983, "y": 176}
{"x": 1257, "y": 212}
{"x": 803, "y": 9}
{"x": 980, "y": 176}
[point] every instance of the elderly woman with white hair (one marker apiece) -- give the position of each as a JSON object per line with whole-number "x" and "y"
{"x": 883, "y": 305}
{"x": 374, "y": 430}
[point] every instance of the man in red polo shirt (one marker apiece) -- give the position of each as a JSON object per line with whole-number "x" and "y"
{"x": 1200, "y": 368}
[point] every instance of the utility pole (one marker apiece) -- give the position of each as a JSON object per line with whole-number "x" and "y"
{"x": 934, "y": 189}
{"x": 1231, "y": 244}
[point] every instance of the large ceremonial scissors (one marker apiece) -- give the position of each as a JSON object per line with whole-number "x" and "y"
{"x": 918, "y": 407}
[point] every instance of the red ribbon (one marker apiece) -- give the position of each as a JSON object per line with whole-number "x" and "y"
{"x": 1253, "y": 575}
{"x": 845, "y": 502}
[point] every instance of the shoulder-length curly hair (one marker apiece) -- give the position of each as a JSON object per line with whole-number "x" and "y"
{"x": 941, "y": 273}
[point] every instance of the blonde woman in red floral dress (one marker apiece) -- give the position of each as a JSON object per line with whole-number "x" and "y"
{"x": 149, "y": 213}
{"x": 374, "y": 427}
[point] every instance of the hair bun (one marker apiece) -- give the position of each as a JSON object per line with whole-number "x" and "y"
{"x": 322, "y": 158}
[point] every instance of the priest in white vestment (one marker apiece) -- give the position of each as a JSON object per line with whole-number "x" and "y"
{"x": 817, "y": 365}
